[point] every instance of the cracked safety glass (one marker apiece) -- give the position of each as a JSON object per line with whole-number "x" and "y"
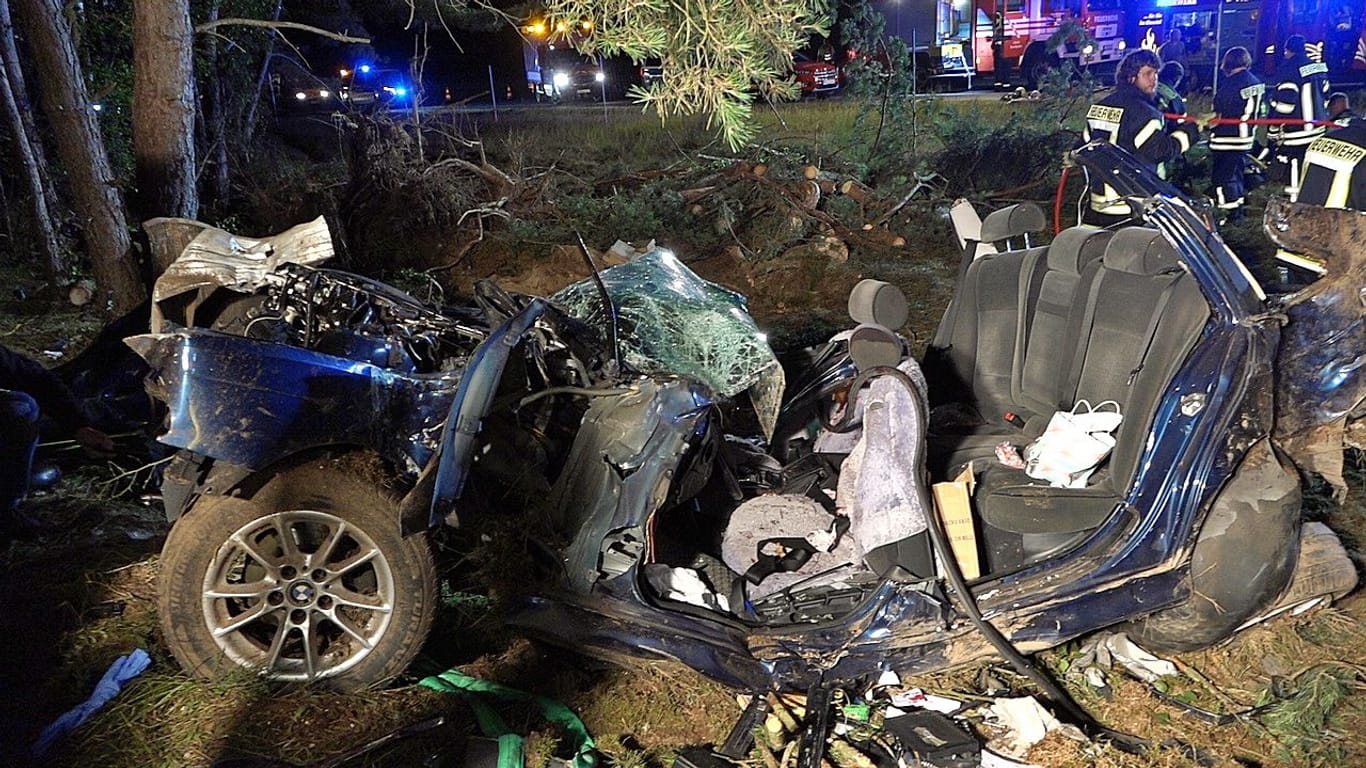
{"x": 672, "y": 321}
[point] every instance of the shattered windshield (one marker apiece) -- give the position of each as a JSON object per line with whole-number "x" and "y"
{"x": 672, "y": 321}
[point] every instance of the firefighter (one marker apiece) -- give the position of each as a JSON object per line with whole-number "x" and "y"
{"x": 1240, "y": 97}
{"x": 1334, "y": 177}
{"x": 1128, "y": 118}
{"x": 998, "y": 50}
{"x": 1340, "y": 109}
{"x": 1332, "y": 169}
{"x": 1300, "y": 95}
{"x": 28, "y": 390}
{"x": 1169, "y": 99}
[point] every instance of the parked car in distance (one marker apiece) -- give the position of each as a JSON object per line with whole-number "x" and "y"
{"x": 314, "y": 96}
{"x": 651, "y": 71}
{"x": 368, "y": 87}
{"x": 815, "y": 76}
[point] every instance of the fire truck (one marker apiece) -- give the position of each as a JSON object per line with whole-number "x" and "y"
{"x": 958, "y": 34}
{"x": 1335, "y": 31}
{"x": 1030, "y": 23}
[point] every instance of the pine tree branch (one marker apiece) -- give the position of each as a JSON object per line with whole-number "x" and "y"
{"x": 209, "y": 26}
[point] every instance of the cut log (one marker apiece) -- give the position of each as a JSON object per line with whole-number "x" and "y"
{"x": 81, "y": 293}
{"x": 697, "y": 193}
{"x": 857, "y": 190}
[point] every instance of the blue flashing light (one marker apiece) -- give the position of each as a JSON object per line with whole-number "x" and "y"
{"x": 364, "y": 69}
{"x": 400, "y": 91}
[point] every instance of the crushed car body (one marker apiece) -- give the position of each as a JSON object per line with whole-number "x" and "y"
{"x": 698, "y": 507}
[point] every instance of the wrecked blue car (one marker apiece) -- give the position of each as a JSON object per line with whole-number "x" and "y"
{"x": 686, "y": 496}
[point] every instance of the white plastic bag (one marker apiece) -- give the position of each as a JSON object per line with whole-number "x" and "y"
{"x": 1073, "y": 445}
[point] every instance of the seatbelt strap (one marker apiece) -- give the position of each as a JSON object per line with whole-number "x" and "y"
{"x": 1151, "y": 332}
{"x": 784, "y": 554}
{"x": 1069, "y": 388}
{"x": 1022, "y": 315}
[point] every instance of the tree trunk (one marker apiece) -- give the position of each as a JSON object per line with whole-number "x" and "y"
{"x": 98, "y": 204}
{"x": 163, "y": 109}
{"x": 18, "y": 85}
{"x": 44, "y": 232}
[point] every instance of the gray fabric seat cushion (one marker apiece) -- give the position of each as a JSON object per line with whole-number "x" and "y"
{"x": 881, "y": 491}
{"x": 1140, "y": 279}
{"x": 1051, "y": 318}
{"x": 785, "y": 515}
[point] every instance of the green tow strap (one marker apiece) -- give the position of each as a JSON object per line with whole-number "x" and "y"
{"x": 510, "y": 744}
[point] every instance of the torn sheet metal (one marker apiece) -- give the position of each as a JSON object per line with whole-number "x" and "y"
{"x": 1319, "y": 381}
{"x": 216, "y": 258}
{"x": 252, "y": 404}
{"x": 672, "y": 321}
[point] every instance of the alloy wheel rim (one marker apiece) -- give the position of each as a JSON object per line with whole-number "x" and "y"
{"x": 298, "y": 595}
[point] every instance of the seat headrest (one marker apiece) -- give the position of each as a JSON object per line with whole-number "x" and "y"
{"x": 1013, "y": 221}
{"x": 1075, "y": 247}
{"x": 875, "y": 301}
{"x": 873, "y": 346}
{"x": 1139, "y": 251}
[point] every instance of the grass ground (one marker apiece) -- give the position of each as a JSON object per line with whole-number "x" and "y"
{"x": 72, "y": 603}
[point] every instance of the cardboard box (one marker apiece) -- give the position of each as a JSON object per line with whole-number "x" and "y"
{"x": 953, "y": 503}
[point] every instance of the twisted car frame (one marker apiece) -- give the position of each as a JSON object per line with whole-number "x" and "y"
{"x": 687, "y": 497}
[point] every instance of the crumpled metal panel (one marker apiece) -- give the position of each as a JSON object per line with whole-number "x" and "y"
{"x": 672, "y": 321}
{"x": 619, "y": 469}
{"x": 252, "y": 403}
{"x": 219, "y": 259}
{"x": 1319, "y": 381}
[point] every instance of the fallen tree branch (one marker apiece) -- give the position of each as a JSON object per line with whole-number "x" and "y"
{"x": 209, "y": 26}
{"x": 494, "y": 177}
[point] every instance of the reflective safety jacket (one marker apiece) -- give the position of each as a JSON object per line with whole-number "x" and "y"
{"x": 1240, "y": 97}
{"x": 1129, "y": 119}
{"x": 1301, "y": 93}
{"x": 1331, "y": 176}
{"x": 1169, "y": 102}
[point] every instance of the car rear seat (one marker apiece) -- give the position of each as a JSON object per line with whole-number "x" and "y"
{"x": 1051, "y": 320}
{"x": 961, "y": 360}
{"x": 1030, "y": 322}
{"x": 1142, "y": 314}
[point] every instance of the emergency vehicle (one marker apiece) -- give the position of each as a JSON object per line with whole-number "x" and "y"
{"x": 555, "y": 70}
{"x": 958, "y": 34}
{"x": 1334, "y": 30}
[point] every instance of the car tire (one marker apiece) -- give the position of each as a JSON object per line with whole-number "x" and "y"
{"x": 343, "y": 601}
{"x": 1035, "y": 62}
{"x": 1243, "y": 560}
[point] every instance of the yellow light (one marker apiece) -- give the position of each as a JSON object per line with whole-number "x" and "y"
{"x": 344, "y": 72}
{"x": 587, "y": 25}
{"x": 560, "y": 26}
